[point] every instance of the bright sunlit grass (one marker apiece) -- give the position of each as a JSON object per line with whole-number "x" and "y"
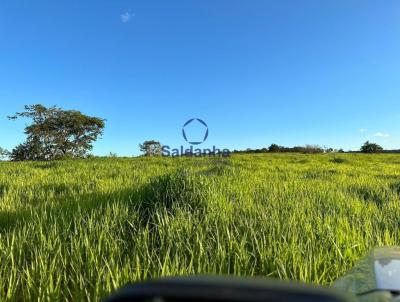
{"x": 77, "y": 230}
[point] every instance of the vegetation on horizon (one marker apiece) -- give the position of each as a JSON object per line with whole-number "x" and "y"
{"x": 61, "y": 134}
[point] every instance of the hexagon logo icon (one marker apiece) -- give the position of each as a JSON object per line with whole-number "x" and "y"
{"x": 202, "y": 130}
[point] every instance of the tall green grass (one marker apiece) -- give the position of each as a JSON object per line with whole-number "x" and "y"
{"x": 77, "y": 230}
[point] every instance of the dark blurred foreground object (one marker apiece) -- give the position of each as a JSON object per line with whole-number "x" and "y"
{"x": 376, "y": 278}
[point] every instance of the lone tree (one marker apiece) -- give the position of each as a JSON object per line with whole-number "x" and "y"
{"x": 151, "y": 148}
{"x": 371, "y": 148}
{"x": 56, "y": 133}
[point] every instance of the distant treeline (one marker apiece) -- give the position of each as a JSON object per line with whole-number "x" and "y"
{"x": 315, "y": 149}
{"x": 382, "y": 151}
{"x": 274, "y": 148}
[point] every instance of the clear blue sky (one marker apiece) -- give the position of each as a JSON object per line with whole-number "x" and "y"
{"x": 258, "y": 72}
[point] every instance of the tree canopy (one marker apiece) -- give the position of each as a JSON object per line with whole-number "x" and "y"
{"x": 56, "y": 133}
{"x": 151, "y": 148}
{"x": 371, "y": 148}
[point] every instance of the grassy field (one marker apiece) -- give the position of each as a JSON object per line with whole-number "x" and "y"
{"x": 74, "y": 230}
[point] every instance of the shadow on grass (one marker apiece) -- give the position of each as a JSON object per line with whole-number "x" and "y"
{"x": 379, "y": 196}
{"x": 45, "y": 165}
{"x": 169, "y": 192}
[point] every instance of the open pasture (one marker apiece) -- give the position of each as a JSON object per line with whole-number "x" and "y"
{"x": 72, "y": 230}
